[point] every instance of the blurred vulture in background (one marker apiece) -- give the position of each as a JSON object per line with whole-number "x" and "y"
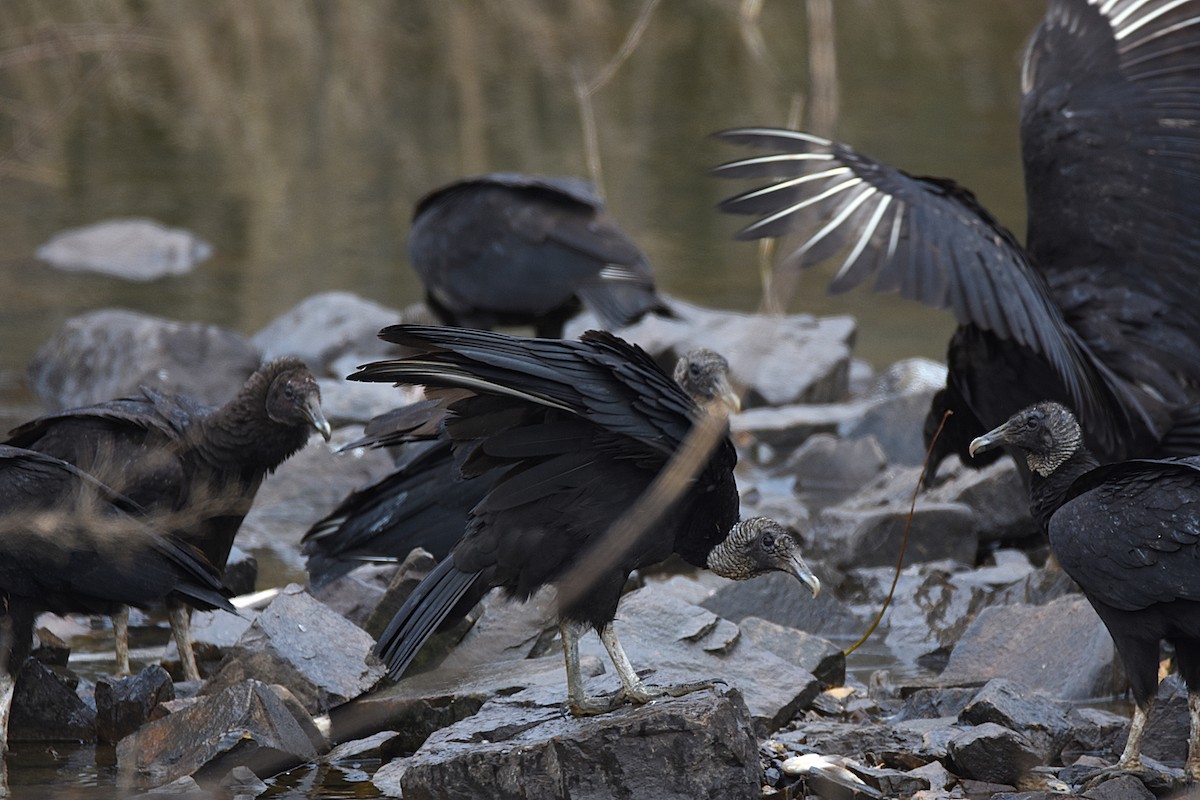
{"x": 1100, "y": 309}
{"x": 510, "y": 249}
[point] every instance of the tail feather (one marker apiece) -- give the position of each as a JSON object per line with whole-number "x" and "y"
{"x": 422, "y": 613}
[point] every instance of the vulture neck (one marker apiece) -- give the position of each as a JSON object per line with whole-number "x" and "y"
{"x": 1047, "y": 493}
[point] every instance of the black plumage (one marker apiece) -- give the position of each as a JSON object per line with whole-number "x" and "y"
{"x": 68, "y": 545}
{"x": 425, "y": 501}
{"x": 511, "y": 249}
{"x": 1129, "y": 534}
{"x": 1101, "y": 308}
{"x": 202, "y": 466}
{"x": 573, "y": 433}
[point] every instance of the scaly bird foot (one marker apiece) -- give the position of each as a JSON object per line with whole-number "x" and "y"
{"x": 648, "y": 691}
{"x": 590, "y": 706}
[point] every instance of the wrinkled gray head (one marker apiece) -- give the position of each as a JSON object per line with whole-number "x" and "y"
{"x": 757, "y": 546}
{"x": 1046, "y": 433}
{"x": 704, "y": 375}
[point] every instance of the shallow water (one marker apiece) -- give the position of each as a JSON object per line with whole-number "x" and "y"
{"x": 296, "y": 137}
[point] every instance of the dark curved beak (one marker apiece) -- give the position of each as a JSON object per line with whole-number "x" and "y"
{"x": 989, "y": 441}
{"x": 316, "y": 417}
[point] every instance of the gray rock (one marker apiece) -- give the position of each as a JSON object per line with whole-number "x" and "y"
{"x": 247, "y": 725}
{"x": 859, "y": 537}
{"x": 935, "y": 703}
{"x": 893, "y": 782}
{"x": 1121, "y": 787}
{"x": 769, "y": 433}
{"x": 897, "y": 423}
{"x": 418, "y": 705}
{"x": 1094, "y": 731}
{"x": 685, "y": 643}
{"x": 933, "y": 605}
{"x": 111, "y": 353}
{"x": 1061, "y": 649}
{"x": 700, "y": 745}
{"x": 358, "y": 593}
{"x": 992, "y": 753}
{"x": 368, "y": 746}
{"x": 45, "y": 709}
{"x": 241, "y": 571}
{"x": 825, "y": 463}
{"x": 241, "y": 784}
{"x": 821, "y": 657}
{"x": 325, "y": 326}
{"x": 125, "y": 704}
{"x": 184, "y": 788}
{"x": 506, "y": 630}
{"x": 890, "y": 745}
{"x": 416, "y": 565}
{"x": 1167, "y": 727}
{"x": 1040, "y": 719}
{"x": 780, "y": 599}
{"x": 357, "y": 403}
{"x": 798, "y": 358}
{"x": 997, "y": 496}
{"x": 297, "y": 642}
{"x": 304, "y": 489}
{"x": 133, "y": 249}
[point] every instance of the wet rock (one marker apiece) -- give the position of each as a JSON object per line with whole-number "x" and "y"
{"x": 44, "y": 709}
{"x": 112, "y": 353}
{"x": 305, "y": 488}
{"x": 821, "y": 657}
{"x": 376, "y": 744}
{"x": 1094, "y": 731}
{"x": 867, "y": 537}
{"x": 778, "y": 360}
{"x": 241, "y": 784}
{"x": 299, "y": 643}
{"x": 325, "y": 326}
{"x": 827, "y": 464}
{"x": 1061, "y": 649}
{"x": 125, "y": 704}
{"x": 1040, "y": 719}
{"x": 997, "y": 496}
{"x": 1122, "y": 787}
{"x": 417, "y": 706}
{"x": 184, "y": 788}
{"x": 358, "y": 593}
{"x": 700, "y": 745}
{"x": 133, "y": 249}
{"x": 992, "y": 753}
{"x": 244, "y": 725}
{"x": 935, "y": 703}
{"x": 780, "y": 599}
{"x": 683, "y": 642}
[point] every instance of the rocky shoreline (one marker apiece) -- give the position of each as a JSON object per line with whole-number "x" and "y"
{"x": 993, "y": 658}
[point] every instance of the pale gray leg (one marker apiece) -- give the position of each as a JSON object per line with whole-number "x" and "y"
{"x": 181, "y": 628}
{"x": 635, "y": 689}
{"x": 1132, "y": 757}
{"x": 1193, "y": 760}
{"x": 7, "y": 684}
{"x": 580, "y": 703}
{"x": 120, "y": 621}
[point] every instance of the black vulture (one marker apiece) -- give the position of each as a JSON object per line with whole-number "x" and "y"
{"x": 574, "y": 433}
{"x": 1129, "y": 534}
{"x": 1101, "y": 308}
{"x": 425, "y": 501}
{"x": 66, "y": 545}
{"x": 511, "y": 249}
{"x": 170, "y": 455}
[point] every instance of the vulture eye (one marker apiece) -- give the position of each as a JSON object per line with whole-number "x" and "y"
{"x": 1032, "y": 423}
{"x": 768, "y": 540}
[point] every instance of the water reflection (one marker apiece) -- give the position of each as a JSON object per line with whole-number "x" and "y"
{"x": 296, "y": 136}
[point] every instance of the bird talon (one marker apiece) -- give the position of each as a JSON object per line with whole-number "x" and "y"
{"x": 590, "y": 706}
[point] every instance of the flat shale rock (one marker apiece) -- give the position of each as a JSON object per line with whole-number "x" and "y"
{"x": 781, "y": 599}
{"x": 322, "y": 658}
{"x": 111, "y": 353}
{"x": 863, "y": 537}
{"x": 1040, "y": 719}
{"x": 821, "y": 657}
{"x": 325, "y": 326}
{"x": 778, "y": 360}
{"x": 245, "y": 725}
{"x": 1061, "y": 649}
{"x": 134, "y": 249}
{"x": 991, "y": 753}
{"x": 700, "y": 745}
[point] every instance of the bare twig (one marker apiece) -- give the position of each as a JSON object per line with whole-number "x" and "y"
{"x": 887, "y": 601}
